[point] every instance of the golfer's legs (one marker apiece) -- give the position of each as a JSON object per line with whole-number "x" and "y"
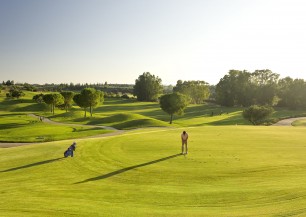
{"x": 184, "y": 143}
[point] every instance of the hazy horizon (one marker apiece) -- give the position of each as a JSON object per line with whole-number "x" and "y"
{"x": 99, "y": 41}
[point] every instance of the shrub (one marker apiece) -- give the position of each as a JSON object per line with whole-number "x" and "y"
{"x": 256, "y": 114}
{"x": 125, "y": 96}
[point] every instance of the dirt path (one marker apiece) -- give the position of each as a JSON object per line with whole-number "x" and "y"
{"x": 288, "y": 122}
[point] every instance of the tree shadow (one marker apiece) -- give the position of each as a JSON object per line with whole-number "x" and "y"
{"x": 127, "y": 169}
{"x": 11, "y": 126}
{"x": 32, "y": 165}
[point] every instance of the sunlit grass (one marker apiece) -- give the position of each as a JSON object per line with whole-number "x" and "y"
{"x": 299, "y": 123}
{"x": 23, "y": 128}
{"x": 229, "y": 171}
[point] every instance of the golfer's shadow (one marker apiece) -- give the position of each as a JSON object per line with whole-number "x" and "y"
{"x": 32, "y": 164}
{"x": 127, "y": 169}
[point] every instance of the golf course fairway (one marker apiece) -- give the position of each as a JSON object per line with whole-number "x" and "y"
{"x": 229, "y": 171}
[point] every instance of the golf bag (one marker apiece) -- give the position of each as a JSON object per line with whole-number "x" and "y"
{"x": 70, "y": 150}
{"x": 67, "y": 153}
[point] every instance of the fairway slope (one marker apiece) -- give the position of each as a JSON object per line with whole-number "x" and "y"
{"x": 229, "y": 171}
{"x": 20, "y": 127}
{"x": 125, "y": 121}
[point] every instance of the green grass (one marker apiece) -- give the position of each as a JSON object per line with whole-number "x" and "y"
{"x": 146, "y": 114}
{"x": 299, "y": 123}
{"x": 229, "y": 171}
{"x": 121, "y": 121}
{"x": 20, "y": 127}
{"x": 118, "y": 113}
{"x": 194, "y": 115}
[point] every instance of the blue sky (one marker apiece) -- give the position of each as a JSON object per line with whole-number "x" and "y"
{"x": 90, "y": 41}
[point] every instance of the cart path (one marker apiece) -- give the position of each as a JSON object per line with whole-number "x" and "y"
{"x": 288, "y": 121}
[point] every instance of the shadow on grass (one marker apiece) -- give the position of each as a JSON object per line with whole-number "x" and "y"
{"x": 31, "y": 108}
{"x": 11, "y": 126}
{"x": 127, "y": 169}
{"x": 32, "y": 165}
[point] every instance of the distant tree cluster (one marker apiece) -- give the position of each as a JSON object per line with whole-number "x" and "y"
{"x": 14, "y": 92}
{"x": 8, "y": 82}
{"x": 242, "y": 88}
{"x": 87, "y": 98}
{"x": 196, "y": 91}
{"x": 262, "y": 87}
{"x": 111, "y": 89}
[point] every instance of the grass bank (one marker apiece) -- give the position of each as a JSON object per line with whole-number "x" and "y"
{"x": 229, "y": 171}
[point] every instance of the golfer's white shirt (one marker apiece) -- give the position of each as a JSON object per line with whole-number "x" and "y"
{"x": 184, "y": 137}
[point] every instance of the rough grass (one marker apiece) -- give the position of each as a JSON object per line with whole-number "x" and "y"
{"x": 229, "y": 171}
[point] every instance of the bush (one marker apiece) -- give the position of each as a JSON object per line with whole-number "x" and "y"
{"x": 125, "y": 96}
{"x": 257, "y": 114}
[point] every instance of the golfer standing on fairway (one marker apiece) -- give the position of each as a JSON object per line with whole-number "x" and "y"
{"x": 184, "y": 138}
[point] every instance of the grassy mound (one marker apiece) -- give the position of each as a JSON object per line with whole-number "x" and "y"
{"x": 19, "y": 127}
{"x": 128, "y": 121}
{"x": 229, "y": 171}
{"x": 121, "y": 121}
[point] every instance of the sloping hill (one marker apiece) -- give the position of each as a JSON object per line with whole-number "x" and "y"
{"x": 128, "y": 121}
{"x": 229, "y": 171}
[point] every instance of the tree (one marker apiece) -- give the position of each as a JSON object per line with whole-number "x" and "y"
{"x": 256, "y": 114}
{"x": 68, "y": 98}
{"x": 79, "y": 99}
{"x": 173, "y": 103}
{"x": 147, "y": 87}
{"x": 38, "y": 98}
{"x": 197, "y": 91}
{"x": 235, "y": 88}
{"x": 265, "y": 83}
{"x": 15, "y": 92}
{"x": 93, "y": 98}
{"x": 9, "y": 83}
{"x": 292, "y": 93}
{"x": 29, "y": 87}
{"x": 53, "y": 99}
{"x": 89, "y": 98}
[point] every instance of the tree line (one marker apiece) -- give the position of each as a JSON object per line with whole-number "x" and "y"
{"x": 259, "y": 91}
{"x": 262, "y": 88}
{"x": 88, "y": 98}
